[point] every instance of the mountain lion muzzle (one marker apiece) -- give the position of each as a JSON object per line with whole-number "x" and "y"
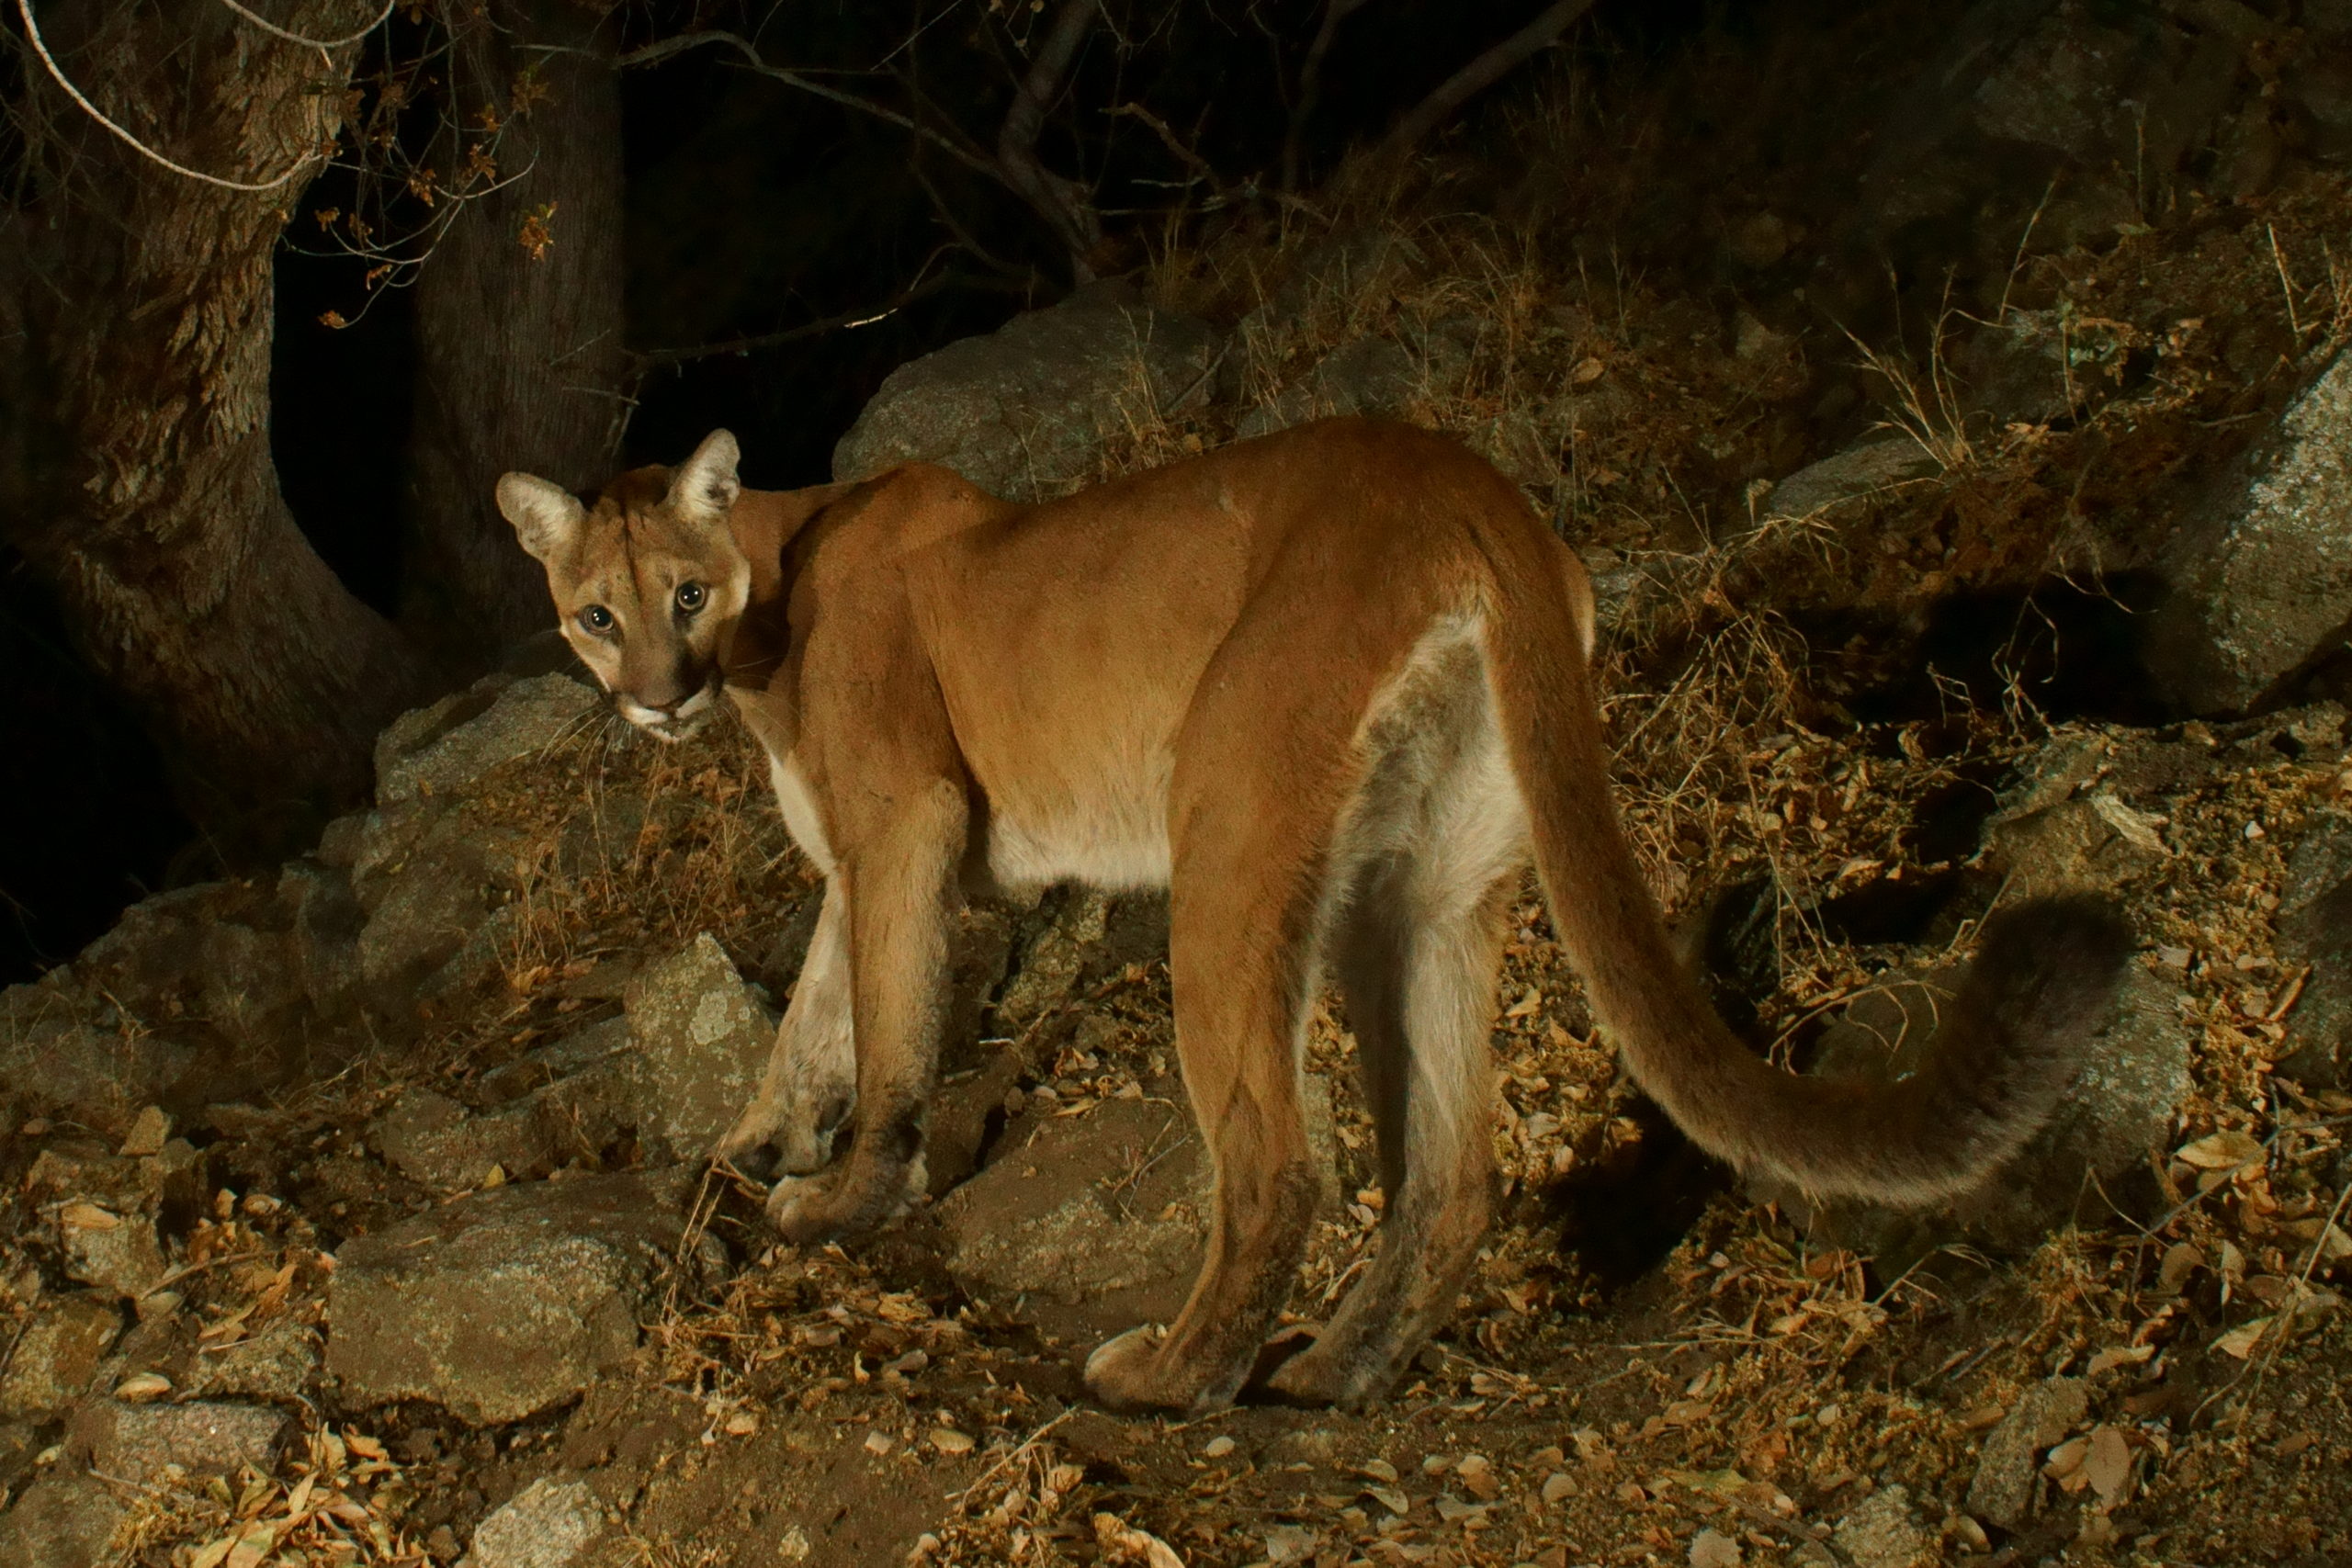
{"x": 1331, "y": 689}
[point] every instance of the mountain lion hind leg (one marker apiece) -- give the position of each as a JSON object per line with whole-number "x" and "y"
{"x": 1416, "y": 948}
{"x": 1253, "y": 824}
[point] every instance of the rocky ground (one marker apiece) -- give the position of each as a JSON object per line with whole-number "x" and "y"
{"x": 357, "y": 1214}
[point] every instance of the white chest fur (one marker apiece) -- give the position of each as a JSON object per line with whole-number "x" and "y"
{"x": 801, "y": 817}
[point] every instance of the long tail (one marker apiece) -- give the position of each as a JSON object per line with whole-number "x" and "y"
{"x": 2043, "y": 980}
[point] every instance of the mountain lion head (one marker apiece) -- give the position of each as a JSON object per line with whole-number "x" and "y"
{"x": 648, "y": 583}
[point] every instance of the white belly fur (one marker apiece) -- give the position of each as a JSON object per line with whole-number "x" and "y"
{"x": 1112, "y": 834}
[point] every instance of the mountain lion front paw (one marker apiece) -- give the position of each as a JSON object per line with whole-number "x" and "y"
{"x": 848, "y": 1200}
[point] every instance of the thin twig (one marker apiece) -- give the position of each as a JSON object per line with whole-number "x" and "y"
{"x": 2286, "y": 283}
{"x": 1007, "y": 1459}
{"x": 660, "y": 358}
{"x": 176, "y": 1275}
{"x": 654, "y": 53}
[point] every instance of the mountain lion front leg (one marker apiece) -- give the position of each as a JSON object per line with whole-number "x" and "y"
{"x": 811, "y": 1085}
{"x": 898, "y": 884}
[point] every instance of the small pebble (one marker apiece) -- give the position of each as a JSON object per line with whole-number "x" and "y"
{"x": 1219, "y": 1446}
{"x": 877, "y": 1442}
{"x": 948, "y": 1440}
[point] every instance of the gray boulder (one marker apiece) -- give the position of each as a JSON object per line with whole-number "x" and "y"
{"x": 565, "y": 1099}
{"x": 217, "y": 951}
{"x": 1882, "y": 1533}
{"x": 2259, "y": 570}
{"x": 1104, "y": 1211}
{"x": 1370, "y": 376}
{"x": 436, "y": 1141}
{"x": 2003, "y": 1490}
{"x": 504, "y": 1302}
{"x": 2090, "y": 843}
{"x": 703, "y": 1040}
{"x": 279, "y": 1364}
{"x": 57, "y": 1356}
{"x": 433, "y": 884}
{"x": 325, "y": 920}
{"x": 440, "y": 750}
{"x": 1855, "y": 473}
{"x": 2315, "y": 929}
{"x": 136, "y": 1443}
{"x": 1099, "y": 1217}
{"x": 114, "y": 1250}
{"x": 1026, "y": 412}
{"x": 63, "y": 1521}
{"x": 549, "y": 1524}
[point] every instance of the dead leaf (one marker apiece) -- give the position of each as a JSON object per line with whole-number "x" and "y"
{"x": 2108, "y": 1464}
{"x": 2220, "y": 1151}
{"x": 2181, "y": 1260}
{"x": 2240, "y": 1342}
{"x": 258, "y": 1541}
{"x": 1123, "y": 1542}
{"x": 1713, "y": 1549}
{"x": 140, "y": 1387}
{"x": 2116, "y": 1356}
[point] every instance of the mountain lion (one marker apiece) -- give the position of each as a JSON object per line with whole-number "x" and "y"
{"x": 1330, "y": 688}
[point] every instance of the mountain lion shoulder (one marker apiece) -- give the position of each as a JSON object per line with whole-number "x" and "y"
{"x": 1331, "y": 689}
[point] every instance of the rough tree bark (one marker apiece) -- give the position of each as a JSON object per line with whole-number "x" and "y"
{"x": 136, "y": 478}
{"x": 520, "y": 358}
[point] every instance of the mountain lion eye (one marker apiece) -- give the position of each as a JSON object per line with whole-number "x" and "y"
{"x": 597, "y": 620}
{"x": 690, "y": 597}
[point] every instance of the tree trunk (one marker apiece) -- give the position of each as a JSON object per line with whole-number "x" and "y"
{"x": 135, "y": 398}
{"x": 520, "y": 358}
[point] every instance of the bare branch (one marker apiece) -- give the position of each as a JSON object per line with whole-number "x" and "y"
{"x": 963, "y": 236}
{"x": 57, "y": 74}
{"x": 265, "y": 25}
{"x": 653, "y": 52}
{"x": 1065, "y": 205}
{"x": 1483, "y": 72}
{"x": 1310, "y": 82}
{"x": 662, "y": 358}
{"x": 1184, "y": 155}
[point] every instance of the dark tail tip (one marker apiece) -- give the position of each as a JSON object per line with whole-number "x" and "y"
{"x": 2077, "y": 938}
{"x": 2045, "y": 975}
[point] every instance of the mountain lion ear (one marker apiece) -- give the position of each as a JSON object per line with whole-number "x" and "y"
{"x": 704, "y": 487}
{"x": 546, "y": 516}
